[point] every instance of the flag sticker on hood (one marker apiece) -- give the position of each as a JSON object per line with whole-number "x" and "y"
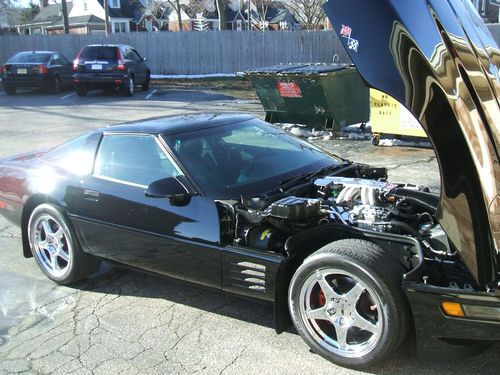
{"x": 346, "y": 31}
{"x": 352, "y": 43}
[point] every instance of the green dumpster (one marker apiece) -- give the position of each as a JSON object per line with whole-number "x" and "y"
{"x": 329, "y": 95}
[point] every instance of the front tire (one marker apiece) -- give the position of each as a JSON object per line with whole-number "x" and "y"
{"x": 145, "y": 86}
{"x": 347, "y": 303}
{"x": 55, "y": 247}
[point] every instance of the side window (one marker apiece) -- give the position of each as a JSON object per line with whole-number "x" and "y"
{"x": 55, "y": 60}
{"x": 133, "y": 159}
{"x": 63, "y": 60}
{"x": 137, "y": 57}
{"x": 132, "y": 55}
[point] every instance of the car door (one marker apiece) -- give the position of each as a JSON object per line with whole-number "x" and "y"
{"x": 66, "y": 69}
{"x": 141, "y": 65}
{"x": 58, "y": 69}
{"x": 133, "y": 63}
{"x": 116, "y": 220}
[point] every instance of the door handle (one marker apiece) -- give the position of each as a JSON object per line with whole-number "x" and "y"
{"x": 91, "y": 195}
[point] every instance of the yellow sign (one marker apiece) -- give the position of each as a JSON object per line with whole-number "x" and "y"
{"x": 388, "y": 116}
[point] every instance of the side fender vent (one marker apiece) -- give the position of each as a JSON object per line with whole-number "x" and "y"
{"x": 248, "y": 275}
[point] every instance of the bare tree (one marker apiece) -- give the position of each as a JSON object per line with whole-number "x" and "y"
{"x": 65, "y": 16}
{"x": 308, "y": 12}
{"x": 29, "y": 12}
{"x": 262, "y": 8}
{"x": 221, "y": 10}
{"x": 8, "y": 9}
{"x": 177, "y": 7}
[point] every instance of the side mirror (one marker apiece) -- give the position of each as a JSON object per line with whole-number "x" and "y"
{"x": 170, "y": 188}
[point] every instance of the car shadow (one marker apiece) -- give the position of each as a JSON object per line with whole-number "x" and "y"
{"x": 120, "y": 281}
{"x": 43, "y": 98}
{"x": 25, "y": 93}
{"x": 193, "y": 96}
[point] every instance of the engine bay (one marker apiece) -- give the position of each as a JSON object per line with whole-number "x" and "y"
{"x": 265, "y": 223}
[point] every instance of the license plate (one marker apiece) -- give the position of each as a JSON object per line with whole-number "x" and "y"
{"x": 22, "y": 71}
{"x": 96, "y": 67}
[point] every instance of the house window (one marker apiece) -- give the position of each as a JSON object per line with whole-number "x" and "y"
{"x": 114, "y": 4}
{"x": 120, "y": 27}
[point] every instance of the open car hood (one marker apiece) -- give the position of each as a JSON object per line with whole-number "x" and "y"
{"x": 439, "y": 60}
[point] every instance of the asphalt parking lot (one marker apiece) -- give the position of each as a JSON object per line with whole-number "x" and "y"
{"x": 125, "y": 322}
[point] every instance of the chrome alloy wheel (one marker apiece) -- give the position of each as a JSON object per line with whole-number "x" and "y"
{"x": 341, "y": 313}
{"x": 49, "y": 241}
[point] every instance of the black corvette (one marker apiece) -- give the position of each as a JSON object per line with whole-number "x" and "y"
{"x": 231, "y": 202}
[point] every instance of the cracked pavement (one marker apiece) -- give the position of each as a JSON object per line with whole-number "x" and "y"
{"x": 126, "y": 322}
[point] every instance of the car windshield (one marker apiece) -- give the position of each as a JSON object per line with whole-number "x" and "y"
{"x": 245, "y": 159}
{"x": 98, "y": 53}
{"x": 30, "y": 57}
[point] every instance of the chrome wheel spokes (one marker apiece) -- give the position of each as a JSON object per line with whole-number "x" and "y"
{"x": 49, "y": 241}
{"x": 341, "y": 312}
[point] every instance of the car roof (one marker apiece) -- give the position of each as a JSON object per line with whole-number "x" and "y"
{"x": 35, "y": 52}
{"x": 177, "y": 124}
{"x": 108, "y": 45}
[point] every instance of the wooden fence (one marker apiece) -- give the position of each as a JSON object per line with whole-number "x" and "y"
{"x": 195, "y": 52}
{"x": 201, "y": 53}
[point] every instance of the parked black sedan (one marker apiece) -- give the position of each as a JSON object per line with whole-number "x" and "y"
{"x": 36, "y": 69}
{"x": 110, "y": 66}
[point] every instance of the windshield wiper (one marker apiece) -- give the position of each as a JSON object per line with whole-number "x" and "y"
{"x": 289, "y": 182}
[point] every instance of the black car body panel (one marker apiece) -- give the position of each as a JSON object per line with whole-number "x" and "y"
{"x": 439, "y": 60}
{"x": 442, "y": 337}
{"x": 36, "y": 69}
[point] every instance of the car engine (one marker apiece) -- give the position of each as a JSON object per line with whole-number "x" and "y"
{"x": 265, "y": 223}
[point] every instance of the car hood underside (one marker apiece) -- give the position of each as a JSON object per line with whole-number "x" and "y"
{"x": 439, "y": 60}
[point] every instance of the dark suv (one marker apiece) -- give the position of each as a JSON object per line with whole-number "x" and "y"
{"x": 106, "y": 66}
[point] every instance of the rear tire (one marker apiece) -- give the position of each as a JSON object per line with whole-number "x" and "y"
{"x": 347, "y": 303}
{"x": 56, "y": 86}
{"x": 80, "y": 91}
{"x": 55, "y": 247}
{"x": 130, "y": 88}
{"x": 9, "y": 90}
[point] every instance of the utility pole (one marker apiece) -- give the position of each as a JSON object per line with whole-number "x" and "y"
{"x": 65, "y": 16}
{"x": 106, "y": 17}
